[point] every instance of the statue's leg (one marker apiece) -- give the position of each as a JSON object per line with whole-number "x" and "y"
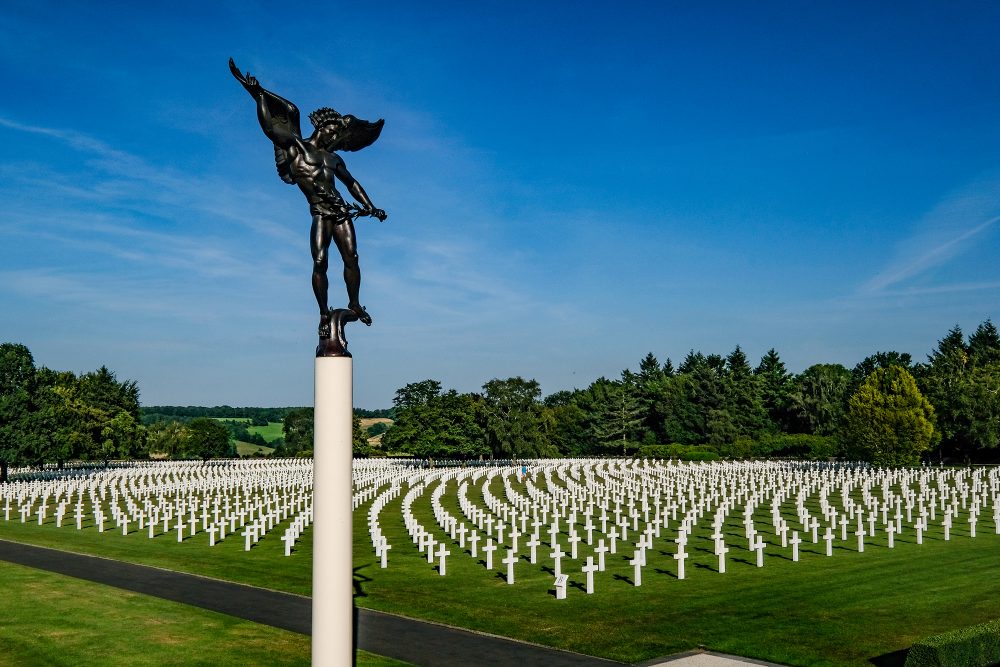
{"x": 320, "y": 236}
{"x": 347, "y": 244}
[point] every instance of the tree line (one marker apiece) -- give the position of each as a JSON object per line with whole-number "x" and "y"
{"x": 887, "y": 409}
{"x": 56, "y": 416}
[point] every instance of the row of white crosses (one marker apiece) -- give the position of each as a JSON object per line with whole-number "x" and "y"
{"x": 215, "y": 499}
{"x": 600, "y": 506}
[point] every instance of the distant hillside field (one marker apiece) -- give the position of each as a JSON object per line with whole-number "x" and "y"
{"x": 270, "y": 433}
{"x": 368, "y": 422}
{"x": 249, "y": 449}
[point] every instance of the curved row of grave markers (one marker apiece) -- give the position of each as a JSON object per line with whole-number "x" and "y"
{"x": 609, "y": 505}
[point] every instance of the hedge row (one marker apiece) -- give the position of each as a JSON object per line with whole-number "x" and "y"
{"x": 682, "y": 452}
{"x": 975, "y": 646}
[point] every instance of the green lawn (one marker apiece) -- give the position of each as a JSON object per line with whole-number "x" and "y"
{"x": 270, "y": 433}
{"x": 78, "y": 623}
{"x": 50, "y": 619}
{"x": 842, "y": 610}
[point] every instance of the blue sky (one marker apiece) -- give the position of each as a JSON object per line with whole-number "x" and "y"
{"x": 569, "y": 186}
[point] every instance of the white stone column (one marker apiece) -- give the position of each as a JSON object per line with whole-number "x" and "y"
{"x": 332, "y": 591}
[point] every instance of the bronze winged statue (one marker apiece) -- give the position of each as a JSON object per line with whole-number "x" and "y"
{"x": 313, "y": 164}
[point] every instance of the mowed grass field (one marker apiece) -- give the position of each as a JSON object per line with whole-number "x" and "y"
{"x": 847, "y": 609}
{"x": 270, "y": 433}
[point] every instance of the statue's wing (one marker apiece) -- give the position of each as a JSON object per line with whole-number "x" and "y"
{"x": 284, "y": 114}
{"x": 358, "y": 134}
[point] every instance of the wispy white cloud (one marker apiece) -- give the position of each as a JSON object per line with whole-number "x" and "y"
{"x": 946, "y": 232}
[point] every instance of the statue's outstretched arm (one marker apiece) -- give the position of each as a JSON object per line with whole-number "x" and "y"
{"x": 279, "y": 118}
{"x": 357, "y": 191}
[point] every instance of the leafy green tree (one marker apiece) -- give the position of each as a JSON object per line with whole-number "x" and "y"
{"x": 708, "y": 394}
{"x": 888, "y": 421}
{"x": 775, "y": 389}
{"x": 207, "y": 439}
{"x": 378, "y": 428}
{"x": 817, "y": 401}
{"x": 565, "y": 424}
{"x": 960, "y": 381}
{"x": 416, "y": 393}
{"x": 984, "y": 413}
{"x": 122, "y": 437}
{"x": 945, "y": 381}
{"x": 614, "y": 413}
{"x": 875, "y": 361}
{"x": 167, "y": 439}
{"x": 511, "y": 418}
{"x": 650, "y": 384}
{"x": 102, "y": 390}
{"x": 359, "y": 439}
{"x": 17, "y": 385}
{"x": 680, "y": 418}
{"x": 443, "y": 427}
{"x": 298, "y": 432}
{"x": 743, "y": 396}
{"x": 984, "y": 345}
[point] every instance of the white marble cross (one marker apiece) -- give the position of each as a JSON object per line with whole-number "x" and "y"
{"x": 488, "y": 550}
{"x": 509, "y": 562}
{"x": 385, "y": 554}
{"x": 589, "y": 569}
{"x": 600, "y": 550}
{"x": 574, "y": 539}
{"x": 758, "y": 546}
{"x": 533, "y": 543}
{"x": 473, "y": 542}
{"x": 721, "y": 550}
{"x": 557, "y": 556}
{"x": 442, "y": 555}
{"x": 637, "y": 563}
{"x": 680, "y": 557}
{"x": 795, "y": 542}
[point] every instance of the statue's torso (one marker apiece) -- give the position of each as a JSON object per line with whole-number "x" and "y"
{"x": 313, "y": 170}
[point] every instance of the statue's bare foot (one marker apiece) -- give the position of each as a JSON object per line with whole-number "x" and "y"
{"x": 362, "y": 313}
{"x": 324, "y": 325}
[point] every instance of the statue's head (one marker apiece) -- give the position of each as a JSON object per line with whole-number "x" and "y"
{"x": 336, "y": 132}
{"x": 325, "y": 116}
{"x": 328, "y": 124}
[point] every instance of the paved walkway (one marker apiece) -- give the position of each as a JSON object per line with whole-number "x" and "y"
{"x": 418, "y": 642}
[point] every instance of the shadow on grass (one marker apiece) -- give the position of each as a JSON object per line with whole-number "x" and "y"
{"x": 359, "y": 580}
{"x": 894, "y": 659}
